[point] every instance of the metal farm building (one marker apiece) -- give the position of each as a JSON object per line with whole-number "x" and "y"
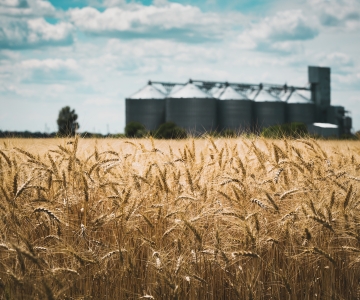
{"x": 203, "y": 106}
{"x": 234, "y": 110}
{"x": 147, "y": 107}
{"x": 269, "y": 109}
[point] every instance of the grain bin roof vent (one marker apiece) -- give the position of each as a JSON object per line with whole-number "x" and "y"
{"x": 298, "y": 98}
{"x": 190, "y": 91}
{"x": 264, "y": 95}
{"x": 148, "y": 92}
{"x": 230, "y": 94}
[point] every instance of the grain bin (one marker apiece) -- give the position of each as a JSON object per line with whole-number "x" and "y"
{"x": 192, "y": 109}
{"x": 300, "y": 109}
{"x": 147, "y": 107}
{"x": 268, "y": 110}
{"x": 234, "y": 110}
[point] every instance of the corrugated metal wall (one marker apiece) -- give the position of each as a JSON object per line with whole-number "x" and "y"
{"x": 196, "y": 115}
{"x": 235, "y": 114}
{"x": 268, "y": 114}
{"x": 300, "y": 112}
{"x": 149, "y": 112}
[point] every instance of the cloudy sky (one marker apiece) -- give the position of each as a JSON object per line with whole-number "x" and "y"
{"x": 91, "y": 54}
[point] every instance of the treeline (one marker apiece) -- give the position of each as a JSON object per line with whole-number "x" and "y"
{"x": 26, "y": 134}
{"x": 42, "y": 135}
{"x": 170, "y": 130}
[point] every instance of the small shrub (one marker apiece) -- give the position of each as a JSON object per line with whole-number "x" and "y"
{"x": 213, "y": 134}
{"x": 170, "y": 130}
{"x": 228, "y": 133}
{"x": 135, "y": 130}
{"x": 290, "y": 130}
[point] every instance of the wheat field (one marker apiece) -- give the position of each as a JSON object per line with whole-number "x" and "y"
{"x": 193, "y": 219}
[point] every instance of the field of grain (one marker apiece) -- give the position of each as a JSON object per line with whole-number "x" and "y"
{"x": 194, "y": 219}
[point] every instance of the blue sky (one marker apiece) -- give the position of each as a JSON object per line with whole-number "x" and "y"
{"x": 91, "y": 54}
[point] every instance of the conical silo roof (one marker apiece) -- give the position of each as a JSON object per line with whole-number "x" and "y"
{"x": 216, "y": 93}
{"x": 175, "y": 88}
{"x": 264, "y": 95}
{"x": 297, "y": 98}
{"x": 214, "y": 90}
{"x": 160, "y": 87}
{"x": 230, "y": 94}
{"x": 190, "y": 91}
{"x": 284, "y": 94}
{"x": 251, "y": 93}
{"x": 148, "y": 92}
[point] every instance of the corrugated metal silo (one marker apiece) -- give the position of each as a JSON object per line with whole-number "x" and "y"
{"x": 300, "y": 109}
{"x": 192, "y": 109}
{"x": 268, "y": 110}
{"x": 147, "y": 107}
{"x": 234, "y": 110}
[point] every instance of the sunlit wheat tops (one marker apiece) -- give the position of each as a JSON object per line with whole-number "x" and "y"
{"x": 195, "y": 219}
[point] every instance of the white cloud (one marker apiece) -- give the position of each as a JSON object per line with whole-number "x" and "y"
{"x": 338, "y": 13}
{"x": 99, "y": 101}
{"x": 346, "y": 81}
{"x": 280, "y": 32}
{"x": 9, "y": 55}
{"x": 26, "y": 8}
{"x": 336, "y": 60}
{"x": 112, "y": 3}
{"x": 164, "y": 50}
{"x": 13, "y": 3}
{"x": 50, "y": 70}
{"x": 7, "y": 89}
{"x": 164, "y": 20}
{"x": 20, "y": 33}
{"x": 51, "y": 64}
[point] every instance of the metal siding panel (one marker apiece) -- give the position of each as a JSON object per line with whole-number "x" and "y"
{"x": 300, "y": 112}
{"x": 235, "y": 114}
{"x": 320, "y": 79}
{"x": 313, "y": 73}
{"x": 150, "y": 113}
{"x": 268, "y": 114}
{"x": 194, "y": 115}
{"x": 325, "y": 132}
{"x": 325, "y": 86}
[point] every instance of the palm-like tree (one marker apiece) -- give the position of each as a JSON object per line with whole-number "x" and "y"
{"x": 67, "y": 121}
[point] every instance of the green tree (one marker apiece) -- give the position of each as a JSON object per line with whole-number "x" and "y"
{"x": 170, "y": 130}
{"x": 135, "y": 130}
{"x": 67, "y": 122}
